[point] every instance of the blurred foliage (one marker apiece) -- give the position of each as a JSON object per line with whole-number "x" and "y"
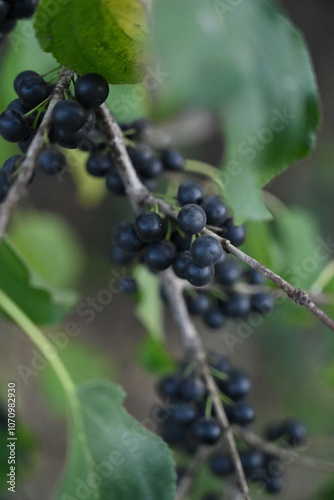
{"x": 267, "y": 98}
{"x": 148, "y": 304}
{"x": 83, "y": 362}
{"x": 43, "y": 303}
{"x": 153, "y": 356}
{"x": 105, "y": 436}
{"x": 48, "y": 244}
{"x": 26, "y": 452}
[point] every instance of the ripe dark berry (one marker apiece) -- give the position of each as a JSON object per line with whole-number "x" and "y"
{"x": 159, "y": 256}
{"x": 7, "y": 25}
{"x": 181, "y": 242}
{"x": 236, "y": 234}
{"x": 262, "y": 303}
{"x": 274, "y": 484}
{"x": 10, "y": 166}
{"x": 180, "y": 264}
{"x": 221, "y": 465}
{"x": 51, "y": 161}
{"x": 193, "y": 389}
{"x": 228, "y": 272}
{"x": 214, "y": 319}
{"x": 237, "y": 306}
{"x": 128, "y": 285}
{"x": 198, "y": 304}
{"x": 66, "y": 139}
{"x": 170, "y": 386}
{"x": 241, "y": 413}
{"x": 17, "y": 105}
{"x": 21, "y": 77}
{"x": 99, "y": 162}
{"x": 25, "y": 143}
{"x": 4, "y": 8}
{"x": 150, "y": 227}
{"x": 206, "y": 431}
{"x": 13, "y": 127}
{"x": 191, "y": 219}
{"x": 4, "y": 185}
{"x": 185, "y": 414}
{"x": 199, "y": 276}
{"x": 190, "y": 192}
{"x": 69, "y": 115}
{"x": 144, "y": 162}
{"x": 119, "y": 257}
{"x": 237, "y": 386}
{"x": 293, "y": 432}
{"x": 254, "y": 277}
{"x": 219, "y": 363}
{"x": 91, "y": 90}
{"x": 206, "y": 251}
{"x": 126, "y": 239}
{"x": 215, "y": 210}
{"x": 252, "y": 461}
{"x": 114, "y": 182}
{"x": 136, "y": 130}
{"x": 173, "y": 160}
{"x": 32, "y": 90}
{"x": 22, "y": 9}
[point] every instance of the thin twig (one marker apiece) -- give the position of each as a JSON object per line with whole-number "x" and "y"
{"x": 17, "y": 191}
{"x": 188, "y": 479}
{"x": 192, "y": 342}
{"x": 292, "y": 457}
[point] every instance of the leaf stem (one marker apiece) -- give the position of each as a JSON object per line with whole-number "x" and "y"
{"x": 37, "y": 337}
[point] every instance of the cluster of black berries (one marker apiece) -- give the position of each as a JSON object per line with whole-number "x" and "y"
{"x": 225, "y": 302}
{"x": 194, "y": 257}
{"x": 72, "y": 121}
{"x": 188, "y": 420}
{"x": 13, "y": 10}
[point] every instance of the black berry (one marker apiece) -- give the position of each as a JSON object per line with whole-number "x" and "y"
{"x": 150, "y": 227}
{"x": 206, "y": 431}
{"x": 159, "y": 256}
{"x": 199, "y": 276}
{"x": 126, "y": 239}
{"x": 91, "y": 90}
{"x": 206, "y": 251}
{"x": 191, "y": 219}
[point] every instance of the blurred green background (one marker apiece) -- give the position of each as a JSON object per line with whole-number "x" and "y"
{"x": 69, "y": 224}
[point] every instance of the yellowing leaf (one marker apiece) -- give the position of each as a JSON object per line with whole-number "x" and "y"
{"x": 102, "y": 36}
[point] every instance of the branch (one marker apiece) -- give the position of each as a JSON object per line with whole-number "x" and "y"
{"x": 190, "y": 475}
{"x": 17, "y": 190}
{"x": 192, "y": 343}
{"x": 190, "y": 338}
{"x": 283, "y": 454}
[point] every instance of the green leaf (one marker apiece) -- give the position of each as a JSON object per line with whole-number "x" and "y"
{"x": 74, "y": 355}
{"x": 121, "y": 459}
{"x": 102, "y": 36}
{"x": 153, "y": 356}
{"x": 296, "y": 231}
{"x": 45, "y": 238}
{"x": 248, "y": 62}
{"x": 40, "y": 302}
{"x": 149, "y": 304}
